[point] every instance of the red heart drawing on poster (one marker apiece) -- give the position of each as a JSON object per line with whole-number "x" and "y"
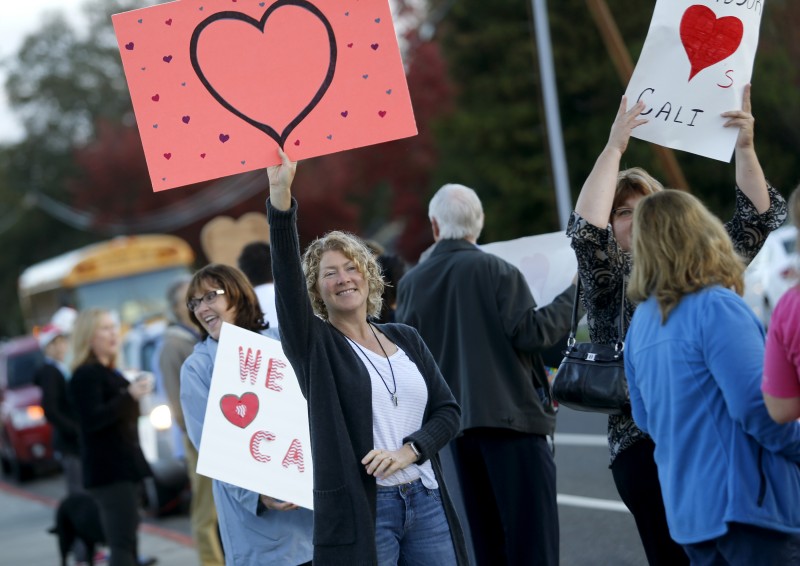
{"x": 299, "y": 35}
{"x": 239, "y": 411}
{"x": 708, "y": 39}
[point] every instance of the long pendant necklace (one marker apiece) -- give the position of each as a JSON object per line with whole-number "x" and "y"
{"x": 392, "y": 394}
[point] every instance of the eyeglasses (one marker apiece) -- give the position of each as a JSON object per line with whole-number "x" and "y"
{"x": 622, "y": 212}
{"x": 193, "y": 304}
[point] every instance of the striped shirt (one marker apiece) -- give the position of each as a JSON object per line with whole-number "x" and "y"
{"x": 390, "y": 423}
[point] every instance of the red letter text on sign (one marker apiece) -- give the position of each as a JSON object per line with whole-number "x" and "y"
{"x": 274, "y": 374}
{"x": 256, "y": 441}
{"x": 249, "y": 365}
{"x": 294, "y": 456}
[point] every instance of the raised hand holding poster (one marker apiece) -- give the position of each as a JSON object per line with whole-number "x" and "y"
{"x": 255, "y": 433}
{"x": 695, "y": 63}
{"x": 217, "y": 84}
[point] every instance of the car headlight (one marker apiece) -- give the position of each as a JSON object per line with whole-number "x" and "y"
{"x": 161, "y": 417}
{"x": 27, "y": 417}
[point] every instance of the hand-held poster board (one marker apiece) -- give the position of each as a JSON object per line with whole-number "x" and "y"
{"x": 695, "y": 63}
{"x": 255, "y": 432}
{"x": 216, "y": 85}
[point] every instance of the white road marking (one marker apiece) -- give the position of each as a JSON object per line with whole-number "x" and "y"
{"x": 591, "y": 503}
{"x": 566, "y": 439}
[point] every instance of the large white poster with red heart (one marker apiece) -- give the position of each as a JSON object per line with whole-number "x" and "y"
{"x": 695, "y": 63}
{"x": 546, "y": 260}
{"x": 216, "y": 85}
{"x": 255, "y": 433}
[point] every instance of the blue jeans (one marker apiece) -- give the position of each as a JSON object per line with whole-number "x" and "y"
{"x": 411, "y": 528}
{"x": 746, "y": 545}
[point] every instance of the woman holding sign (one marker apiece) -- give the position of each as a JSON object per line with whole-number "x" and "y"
{"x": 601, "y": 228}
{"x": 379, "y": 409}
{"x": 255, "y": 529}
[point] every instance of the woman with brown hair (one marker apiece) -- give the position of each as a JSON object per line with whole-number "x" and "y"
{"x": 255, "y": 529}
{"x": 107, "y": 407}
{"x": 601, "y": 228}
{"x": 694, "y": 355}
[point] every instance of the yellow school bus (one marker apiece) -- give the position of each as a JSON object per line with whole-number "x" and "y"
{"x": 129, "y": 275}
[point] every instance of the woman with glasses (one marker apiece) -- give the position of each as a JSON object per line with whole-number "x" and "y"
{"x": 379, "y": 409}
{"x": 107, "y": 407}
{"x": 255, "y": 529}
{"x": 693, "y": 357}
{"x": 601, "y": 228}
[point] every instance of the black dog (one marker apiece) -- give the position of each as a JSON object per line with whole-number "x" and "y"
{"x": 78, "y": 518}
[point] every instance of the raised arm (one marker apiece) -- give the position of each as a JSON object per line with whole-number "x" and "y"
{"x": 597, "y": 194}
{"x": 749, "y": 175}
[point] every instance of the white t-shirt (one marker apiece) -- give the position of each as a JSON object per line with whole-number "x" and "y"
{"x": 390, "y": 423}
{"x": 266, "y": 298}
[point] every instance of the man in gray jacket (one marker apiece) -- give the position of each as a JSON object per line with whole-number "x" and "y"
{"x": 476, "y": 313}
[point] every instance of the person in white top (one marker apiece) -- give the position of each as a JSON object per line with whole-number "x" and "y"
{"x": 255, "y": 261}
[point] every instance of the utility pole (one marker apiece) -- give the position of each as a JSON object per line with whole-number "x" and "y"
{"x": 544, "y": 49}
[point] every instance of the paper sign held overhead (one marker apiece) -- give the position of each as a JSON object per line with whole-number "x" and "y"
{"x": 217, "y": 85}
{"x": 255, "y": 432}
{"x": 695, "y": 63}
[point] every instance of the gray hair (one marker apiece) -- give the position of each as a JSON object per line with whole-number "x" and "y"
{"x": 458, "y": 212}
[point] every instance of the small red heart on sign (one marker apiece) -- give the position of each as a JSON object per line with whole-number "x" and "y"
{"x": 374, "y": 46}
{"x": 349, "y": 45}
{"x": 169, "y": 22}
{"x": 186, "y": 119}
{"x": 297, "y": 142}
{"x": 167, "y": 58}
{"x": 381, "y": 113}
{"x": 708, "y": 39}
{"x": 344, "y": 114}
{"x": 155, "y": 98}
{"x": 240, "y": 411}
{"x": 202, "y": 156}
{"x": 224, "y": 137}
{"x": 167, "y": 156}
{"x": 129, "y": 46}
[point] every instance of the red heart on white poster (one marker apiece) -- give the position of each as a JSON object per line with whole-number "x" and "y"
{"x": 708, "y": 39}
{"x": 240, "y": 411}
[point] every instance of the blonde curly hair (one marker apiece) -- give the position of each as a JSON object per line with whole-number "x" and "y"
{"x": 679, "y": 247}
{"x": 356, "y": 251}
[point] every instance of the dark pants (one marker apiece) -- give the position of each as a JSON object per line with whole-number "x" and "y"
{"x": 119, "y": 514}
{"x": 73, "y": 475}
{"x": 746, "y": 545}
{"x": 636, "y": 476}
{"x": 508, "y": 481}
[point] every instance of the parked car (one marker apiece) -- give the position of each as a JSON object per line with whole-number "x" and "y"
{"x": 772, "y": 272}
{"x": 26, "y": 437}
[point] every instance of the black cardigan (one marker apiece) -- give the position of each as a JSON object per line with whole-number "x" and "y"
{"x": 57, "y": 409}
{"x": 108, "y": 417}
{"x": 338, "y": 390}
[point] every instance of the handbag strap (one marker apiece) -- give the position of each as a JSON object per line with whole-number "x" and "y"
{"x": 620, "y": 345}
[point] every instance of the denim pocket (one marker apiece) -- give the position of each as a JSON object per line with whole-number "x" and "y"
{"x": 334, "y": 523}
{"x": 436, "y": 494}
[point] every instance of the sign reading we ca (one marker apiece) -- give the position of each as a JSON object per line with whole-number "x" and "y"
{"x": 695, "y": 63}
{"x": 255, "y": 433}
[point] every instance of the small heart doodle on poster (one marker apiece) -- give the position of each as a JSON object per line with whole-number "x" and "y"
{"x": 233, "y": 102}
{"x": 240, "y": 411}
{"x": 708, "y": 39}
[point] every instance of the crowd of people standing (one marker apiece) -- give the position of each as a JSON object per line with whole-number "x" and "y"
{"x": 706, "y": 461}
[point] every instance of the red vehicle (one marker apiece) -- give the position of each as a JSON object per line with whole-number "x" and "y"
{"x": 25, "y": 435}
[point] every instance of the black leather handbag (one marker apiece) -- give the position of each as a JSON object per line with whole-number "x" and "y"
{"x": 591, "y": 377}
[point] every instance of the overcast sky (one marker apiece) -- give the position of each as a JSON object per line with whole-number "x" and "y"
{"x": 19, "y": 19}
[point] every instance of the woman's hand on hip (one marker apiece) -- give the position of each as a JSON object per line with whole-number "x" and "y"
{"x": 384, "y": 463}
